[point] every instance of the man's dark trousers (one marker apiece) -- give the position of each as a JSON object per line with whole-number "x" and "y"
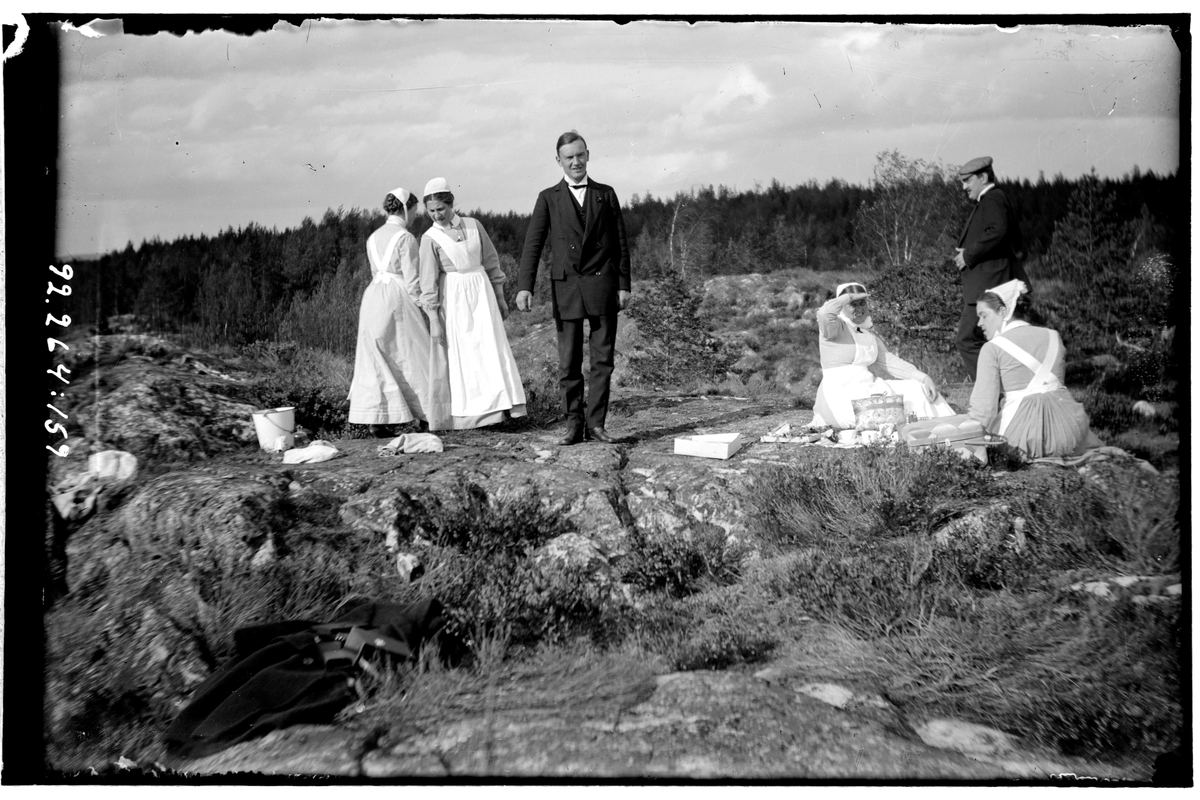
{"x": 969, "y": 339}
{"x": 589, "y": 269}
{"x": 602, "y": 341}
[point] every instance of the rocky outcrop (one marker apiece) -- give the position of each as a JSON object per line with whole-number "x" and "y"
{"x": 144, "y": 395}
{"x": 702, "y": 725}
{"x": 209, "y": 502}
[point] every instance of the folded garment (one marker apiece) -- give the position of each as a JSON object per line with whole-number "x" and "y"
{"x": 297, "y": 671}
{"x": 413, "y": 443}
{"x": 319, "y": 450}
{"x": 1102, "y": 453}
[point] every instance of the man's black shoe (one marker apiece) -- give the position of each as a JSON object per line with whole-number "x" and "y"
{"x": 599, "y": 435}
{"x": 572, "y": 436}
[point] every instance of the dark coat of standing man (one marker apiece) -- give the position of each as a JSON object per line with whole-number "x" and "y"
{"x": 589, "y": 280}
{"x": 989, "y": 252}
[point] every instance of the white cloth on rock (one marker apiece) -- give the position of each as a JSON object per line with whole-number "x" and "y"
{"x": 316, "y": 452}
{"x": 413, "y": 443}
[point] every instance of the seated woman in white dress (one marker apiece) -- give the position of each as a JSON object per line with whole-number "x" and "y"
{"x": 462, "y": 292}
{"x": 1027, "y": 363}
{"x": 848, "y": 350}
{"x": 392, "y": 382}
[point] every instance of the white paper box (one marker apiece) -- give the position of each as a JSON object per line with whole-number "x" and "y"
{"x": 711, "y": 445}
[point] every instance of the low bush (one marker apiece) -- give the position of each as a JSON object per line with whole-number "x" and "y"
{"x": 480, "y": 563}
{"x": 1087, "y": 676}
{"x": 1145, "y": 524}
{"x": 315, "y": 382}
{"x": 718, "y": 629}
{"x": 870, "y": 587}
{"x": 680, "y": 348}
{"x": 870, "y": 492}
{"x": 721, "y": 641}
{"x": 543, "y": 397}
{"x": 683, "y": 563}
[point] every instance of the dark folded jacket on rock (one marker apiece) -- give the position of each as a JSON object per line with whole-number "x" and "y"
{"x": 295, "y": 671}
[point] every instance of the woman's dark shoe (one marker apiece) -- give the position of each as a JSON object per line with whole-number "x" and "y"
{"x": 379, "y": 431}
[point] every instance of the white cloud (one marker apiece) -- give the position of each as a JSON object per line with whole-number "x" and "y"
{"x": 302, "y": 118}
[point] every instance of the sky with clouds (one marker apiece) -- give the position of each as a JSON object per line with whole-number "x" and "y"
{"x": 165, "y": 135}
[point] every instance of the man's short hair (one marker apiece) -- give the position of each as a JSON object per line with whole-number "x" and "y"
{"x": 567, "y": 138}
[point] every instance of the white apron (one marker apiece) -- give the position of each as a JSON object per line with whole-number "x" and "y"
{"x": 391, "y": 382}
{"x": 1043, "y": 379}
{"x": 482, "y": 372}
{"x": 840, "y": 386}
{"x": 853, "y": 381}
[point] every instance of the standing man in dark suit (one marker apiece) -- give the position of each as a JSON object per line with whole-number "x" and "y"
{"x": 589, "y": 280}
{"x": 989, "y": 252}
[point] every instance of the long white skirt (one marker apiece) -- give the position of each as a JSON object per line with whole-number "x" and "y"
{"x": 841, "y": 385}
{"x": 392, "y": 381}
{"x": 485, "y": 385}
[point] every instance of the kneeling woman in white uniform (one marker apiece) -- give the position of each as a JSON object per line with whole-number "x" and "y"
{"x": 848, "y": 349}
{"x": 1027, "y": 364}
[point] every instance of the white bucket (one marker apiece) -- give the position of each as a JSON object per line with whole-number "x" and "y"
{"x": 275, "y": 428}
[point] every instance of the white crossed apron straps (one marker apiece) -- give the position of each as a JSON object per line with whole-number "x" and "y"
{"x": 379, "y": 272}
{"x": 1043, "y": 379}
{"x": 458, "y": 252}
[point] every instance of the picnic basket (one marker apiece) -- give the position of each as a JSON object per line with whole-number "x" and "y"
{"x": 872, "y": 413}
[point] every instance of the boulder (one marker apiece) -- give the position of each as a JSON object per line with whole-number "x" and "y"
{"x": 220, "y": 518}
{"x": 145, "y": 399}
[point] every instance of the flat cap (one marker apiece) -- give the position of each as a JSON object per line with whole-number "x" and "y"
{"x": 974, "y": 165}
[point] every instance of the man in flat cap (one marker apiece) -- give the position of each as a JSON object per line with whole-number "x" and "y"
{"x": 989, "y": 252}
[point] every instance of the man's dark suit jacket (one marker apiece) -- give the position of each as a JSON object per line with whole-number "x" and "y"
{"x": 587, "y": 266}
{"x": 991, "y": 242}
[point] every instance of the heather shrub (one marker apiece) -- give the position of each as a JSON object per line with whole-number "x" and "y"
{"x": 480, "y": 563}
{"x": 316, "y": 382}
{"x": 679, "y": 346}
{"x": 682, "y": 563}
{"x": 872, "y": 492}
{"x": 1086, "y": 676}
